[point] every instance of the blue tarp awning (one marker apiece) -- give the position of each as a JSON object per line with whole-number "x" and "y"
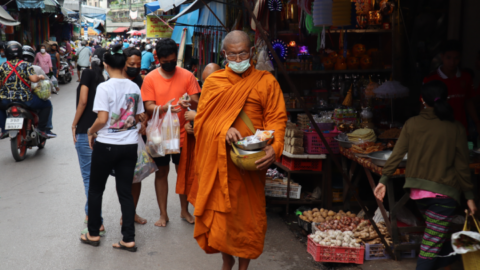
{"x": 31, "y": 4}
{"x": 187, "y": 19}
{"x": 102, "y": 17}
{"x": 151, "y": 7}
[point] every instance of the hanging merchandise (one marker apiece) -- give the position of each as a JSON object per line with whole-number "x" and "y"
{"x": 133, "y": 14}
{"x": 280, "y": 49}
{"x": 263, "y": 60}
{"x": 322, "y": 12}
{"x": 275, "y": 5}
{"x": 341, "y": 12}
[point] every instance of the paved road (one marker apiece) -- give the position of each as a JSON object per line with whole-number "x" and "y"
{"x": 41, "y": 216}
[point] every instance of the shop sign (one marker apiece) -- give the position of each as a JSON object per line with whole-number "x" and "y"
{"x": 156, "y": 28}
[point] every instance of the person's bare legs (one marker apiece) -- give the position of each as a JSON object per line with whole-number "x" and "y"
{"x": 79, "y": 73}
{"x": 243, "y": 263}
{"x": 228, "y": 261}
{"x": 136, "y": 189}
{"x": 184, "y": 204}
{"x": 161, "y": 189}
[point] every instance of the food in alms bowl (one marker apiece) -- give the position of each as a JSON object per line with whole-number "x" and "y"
{"x": 260, "y": 136}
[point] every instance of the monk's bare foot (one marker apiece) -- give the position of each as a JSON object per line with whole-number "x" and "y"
{"x": 162, "y": 222}
{"x": 138, "y": 220}
{"x": 188, "y": 217}
{"x": 228, "y": 261}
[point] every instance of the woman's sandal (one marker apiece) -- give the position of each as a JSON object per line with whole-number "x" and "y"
{"x": 131, "y": 249}
{"x": 89, "y": 242}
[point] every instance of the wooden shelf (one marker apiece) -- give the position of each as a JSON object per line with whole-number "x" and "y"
{"x": 335, "y": 31}
{"x": 273, "y": 200}
{"x": 347, "y": 71}
{"x": 300, "y": 110}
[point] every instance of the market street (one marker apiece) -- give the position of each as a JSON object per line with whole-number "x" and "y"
{"x": 42, "y": 208}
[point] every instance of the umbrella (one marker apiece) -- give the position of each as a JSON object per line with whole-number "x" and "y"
{"x": 131, "y": 32}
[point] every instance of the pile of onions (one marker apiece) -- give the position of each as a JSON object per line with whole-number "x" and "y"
{"x": 343, "y": 224}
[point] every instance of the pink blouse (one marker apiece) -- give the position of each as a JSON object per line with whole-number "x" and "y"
{"x": 417, "y": 194}
{"x": 44, "y": 61}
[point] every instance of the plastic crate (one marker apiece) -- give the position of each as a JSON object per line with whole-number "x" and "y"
{"x": 377, "y": 252}
{"x": 307, "y": 226}
{"x": 335, "y": 254}
{"x": 280, "y": 191}
{"x": 297, "y": 164}
{"x": 314, "y": 145}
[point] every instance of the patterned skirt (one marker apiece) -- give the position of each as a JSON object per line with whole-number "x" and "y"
{"x": 438, "y": 214}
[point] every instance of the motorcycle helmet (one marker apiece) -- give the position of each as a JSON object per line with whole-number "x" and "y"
{"x": 63, "y": 50}
{"x": 28, "y": 53}
{"x": 13, "y": 50}
{"x": 148, "y": 47}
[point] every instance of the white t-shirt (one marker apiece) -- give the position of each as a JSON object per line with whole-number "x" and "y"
{"x": 122, "y": 99}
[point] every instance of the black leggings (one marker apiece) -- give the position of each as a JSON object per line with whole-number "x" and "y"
{"x": 121, "y": 158}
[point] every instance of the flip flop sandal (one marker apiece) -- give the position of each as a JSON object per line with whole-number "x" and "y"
{"x": 85, "y": 221}
{"x": 184, "y": 219}
{"x": 89, "y": 242}
{"x": 122, "y": 247}
{"x": 101, "y": 233}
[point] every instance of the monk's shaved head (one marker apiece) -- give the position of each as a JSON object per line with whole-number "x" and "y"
{"x": 209, "y": 69}
{"x": 236, "y": 37}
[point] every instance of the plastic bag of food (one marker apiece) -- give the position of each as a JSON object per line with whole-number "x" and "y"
{"x": 171, "y": 132}
{"x": 145, "y": 164}
{"x": 42, "y": 89}
{"x": 154, "y": 136}
{"x": 260, "y": 136}
{"x": 54, "y": 81}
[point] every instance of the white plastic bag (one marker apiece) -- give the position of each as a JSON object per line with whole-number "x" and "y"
{"x": 171, "y": 132}
{"x": 154, "y": 136}
{"x": 145, "y": 164}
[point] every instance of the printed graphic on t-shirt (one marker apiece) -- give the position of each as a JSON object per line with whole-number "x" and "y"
{"x": 125, "y": 118}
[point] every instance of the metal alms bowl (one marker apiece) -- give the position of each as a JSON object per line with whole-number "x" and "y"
{"x": 378, "y": 158}
{"x": 254, "y": 146}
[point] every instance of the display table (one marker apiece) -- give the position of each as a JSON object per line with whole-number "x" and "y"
{"x": 391, "y": 223}
{"x": 325, "y": 185}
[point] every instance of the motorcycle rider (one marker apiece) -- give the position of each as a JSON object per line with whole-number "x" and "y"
{"x": 16, "y": 76}
{"x": 147, "y": 59}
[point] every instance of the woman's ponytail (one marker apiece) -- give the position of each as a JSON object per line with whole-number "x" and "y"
{"x": 435, "y": 94}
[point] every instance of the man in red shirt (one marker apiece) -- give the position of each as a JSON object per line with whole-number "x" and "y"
{"x": 460, "y": 85}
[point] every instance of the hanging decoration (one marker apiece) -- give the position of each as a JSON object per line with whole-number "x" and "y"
{"x": 274, "y": 5}
{"x": 341, "y": 12}
{"x": 322, "y": 12}
{"x": 133, "y": 14}
{"x": 280, "y": 48}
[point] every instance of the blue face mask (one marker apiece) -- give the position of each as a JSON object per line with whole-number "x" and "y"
{"x": 241, "y": 67}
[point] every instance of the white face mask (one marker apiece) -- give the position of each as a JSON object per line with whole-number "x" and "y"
{"x": 241, "y": 67}
{"x": 42, "y": 50}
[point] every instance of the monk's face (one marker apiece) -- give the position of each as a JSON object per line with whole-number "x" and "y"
{"x": 238, "y": 52}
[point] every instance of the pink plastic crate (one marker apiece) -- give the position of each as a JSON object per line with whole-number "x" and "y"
{"x": 314, "y": 145}
{"x": 335, "y": 254}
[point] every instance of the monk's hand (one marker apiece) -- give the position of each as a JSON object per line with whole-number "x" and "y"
{"x": 380, "y": 192}
{"x": 267, "y": 160}
{"x": 188, "y": 128}
{"x": 190, "y": 115}
{"x": 233, "y": 136}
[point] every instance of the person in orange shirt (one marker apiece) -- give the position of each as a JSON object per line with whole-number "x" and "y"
{"x": 160, "y": 86}
{"x": 230, "y": 203}
{"x": 186, "y": 168}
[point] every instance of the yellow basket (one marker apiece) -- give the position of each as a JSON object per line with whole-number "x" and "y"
{"x": 471, "y": 260}
{"x": 245, "y": 162}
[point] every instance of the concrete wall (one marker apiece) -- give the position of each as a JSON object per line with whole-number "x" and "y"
{"x": 470, "y": 35}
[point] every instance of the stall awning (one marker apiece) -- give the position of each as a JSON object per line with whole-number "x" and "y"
{"x": 196, "y": 5}
{"x": 164, "y": 5}
{"x": 6, "y": 19}
{"x": 187, "y": 19}
{"x": 50, "y": 6}
{"x": 33, "y": 4}
{"x": 120, "y": 30}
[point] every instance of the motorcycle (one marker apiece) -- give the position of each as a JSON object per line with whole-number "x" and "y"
{"x": 64, "y": 75}
{"x": 21, "y": 125}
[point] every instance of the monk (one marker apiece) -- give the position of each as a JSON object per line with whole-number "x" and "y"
{"x": 230, "y": 214}
{"x": 186, "y": 168}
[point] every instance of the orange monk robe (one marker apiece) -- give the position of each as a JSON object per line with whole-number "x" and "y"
{"x": 230, "y": 203}
{"x": 186, "y": 170}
